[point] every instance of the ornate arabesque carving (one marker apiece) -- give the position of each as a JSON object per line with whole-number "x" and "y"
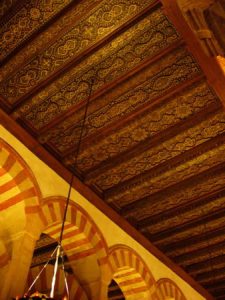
{"x": 195, "y": 231}
{"x": 114, "y": 59}
{"x": 25, "y": 21}
{"x": 176, "y": 145}
{"x": 102, "y": 20}
{"x": 191, "y": 215}
{"x": 151, "y": 123}
{"x": 213, "y": 181}
{"x": 154, "y": 81}
{"x": 46, "y": 37}
{"x": 198, "y": 242}
{"x": 157, "y": 181}
{"x": 202, "y": 255}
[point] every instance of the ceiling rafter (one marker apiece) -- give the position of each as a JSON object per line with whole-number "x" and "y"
{"x": 34, "y": 33}
{"x": 106, "y": 88}
{"x": 195, "y": 241}
{"x": 171, "y": 189}
{"x": 111, "y": 128}
{"x": 163, "y": 216}
{"x": 146, "y": 144}
{"x": 85, "y": 53}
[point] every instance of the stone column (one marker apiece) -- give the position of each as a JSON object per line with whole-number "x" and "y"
{"x": 92, "y": 289}
{"x": 104, "y": 286}
{"x": 14, "y": 280}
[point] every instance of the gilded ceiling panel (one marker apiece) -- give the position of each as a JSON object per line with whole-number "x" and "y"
{"x": 173, "y": 174}
{"x": 199, "y": 256}
{"x": 185, "y": 210}
{"x": 190, "y": 231}
{"x": 192, "y": 215}
{"x": 25, "y": 21}
{"x": 190, "y": 101}
{"x": 183, "y": 194}
{"x": 154, "y": 156}
{"x": 206, "y": 266}
{"x": 213, "y": 276}
{"x": 128, "y": 50}
{"x": 45, "y": 37}
{"x": 142, "y": 88}
{"x": 199, "y": 244}
{"x": 104, "y": 19}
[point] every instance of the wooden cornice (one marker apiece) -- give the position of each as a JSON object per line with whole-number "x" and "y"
{"x": 62, "y": 70}
{"x": 86, "y": 192}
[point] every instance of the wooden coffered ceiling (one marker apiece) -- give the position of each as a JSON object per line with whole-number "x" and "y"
{"x": 154, "y": 137}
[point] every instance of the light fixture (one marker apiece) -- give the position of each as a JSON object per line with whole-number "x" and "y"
{"x": 59, "y": 250}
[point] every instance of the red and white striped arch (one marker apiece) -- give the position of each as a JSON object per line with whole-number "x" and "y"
{"x": 43, "y": 284}
{"x": 130, "y": 272}
{"x": 17, "y": 181}
{"x": 81, "y": 237}
{"x": 167, "y": 289}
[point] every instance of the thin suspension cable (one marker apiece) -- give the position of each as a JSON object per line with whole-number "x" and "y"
{"x": 64, "y": 273}
{"x": 68, "y": 196}
{"x": 55, "y": 271}
{"x": 39, "y": 274}
{"x": 58, "y": 248}
{"x": 76, "y": 157}
{"x": 65, "y": 211}
{"x": 83, "y": 123}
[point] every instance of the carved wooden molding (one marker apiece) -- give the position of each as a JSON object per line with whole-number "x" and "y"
{"x": 221, "y": 62}
{"x": 215, "y": 18}
{"x": 195, "y": 13}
